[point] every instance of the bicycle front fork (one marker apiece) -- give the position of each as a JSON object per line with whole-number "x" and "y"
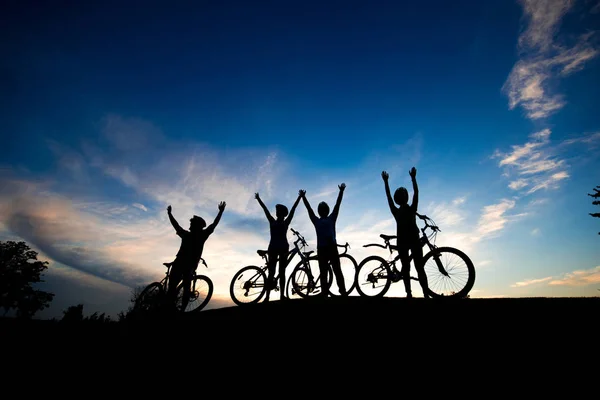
{"x": 438, "y": 261}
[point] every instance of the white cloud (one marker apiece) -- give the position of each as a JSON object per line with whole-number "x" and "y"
{"x": 535, "y": 231}
{"x": 447, "y": 215}
{"x": 592, "y": 139}
{"x": 578, "y": 278}
{"x": 494, "y": 217}
{"x": 535, "y": 163}
{"x": 518, "y": 184}
{"x": 529, "y": 282}
{"x": 140, "y": 206}
{"x": 543, "y": 60}
{"x": 459, "y": 200}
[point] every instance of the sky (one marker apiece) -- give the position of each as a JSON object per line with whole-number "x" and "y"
{"x": 110, "y": 112}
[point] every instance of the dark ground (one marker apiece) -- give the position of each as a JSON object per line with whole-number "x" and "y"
{"x": 498, "y": 318}
{"x": 381, "y": 336}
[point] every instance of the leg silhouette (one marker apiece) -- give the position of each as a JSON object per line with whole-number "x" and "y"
{"x": 282, "y": 264}
{"x": 270, "y": 283}
{"x": 417, "y": 252}
{"x": 337, "y": 271}
{"x": 405, "y": 271}
{"x": 323, "y": 268}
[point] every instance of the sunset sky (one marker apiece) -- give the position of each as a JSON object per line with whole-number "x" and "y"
{"x": 111, "y": 111}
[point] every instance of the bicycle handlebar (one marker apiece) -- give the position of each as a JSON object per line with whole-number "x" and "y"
{"x": 300, "y": 237}
{"x": 425, "y": 218}
{"x": 345, "y": 246}
{"x": 387, "y": 238}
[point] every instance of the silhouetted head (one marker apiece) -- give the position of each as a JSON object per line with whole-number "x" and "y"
{"x": 281, "y": 211}
{"x": 197, "y": 223}
{"x": 323, "y": 209}
{"x": 401, "y": 196}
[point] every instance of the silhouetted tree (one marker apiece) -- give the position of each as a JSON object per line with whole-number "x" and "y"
{"x": 129, "y": 313}
{"x": 19, "y": 269}
{"x": 75, "y": 314}
{"x": 595, "y": 202}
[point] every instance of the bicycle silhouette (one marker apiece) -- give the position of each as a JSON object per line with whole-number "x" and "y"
{"x": 154, "y": 296}
{"x": 375, "y": 274}
{"x": 305, "y": 285}
{"x": 248, "y": 285}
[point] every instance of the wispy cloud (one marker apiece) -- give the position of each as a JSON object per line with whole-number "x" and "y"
{"x": 448, "y": 214}
{"x": 578, "y": 278}
{"x": 529, "y": 282}
{"x": 494, "y": 218}
{"x": 538, "y": 163}
{"x": 544, "y": 60}
{"x": 140, "y": 206}
{"x": 49, "y": 222}
{"x": 535, "y": 163}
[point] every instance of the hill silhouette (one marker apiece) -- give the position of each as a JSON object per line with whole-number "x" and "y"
{"x": 293, "y": 319}
{"x": 353, "y": 339}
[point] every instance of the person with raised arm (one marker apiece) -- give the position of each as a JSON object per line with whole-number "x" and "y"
{"x": 407, "y": 231}
{"x": 327, "y": 251}
{"x": 190, "y": 251}
{"x": 278, "y": 246}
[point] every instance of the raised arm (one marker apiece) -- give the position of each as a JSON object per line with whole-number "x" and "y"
{"x": 413, "y": 176}
{"x": 311, "y": 214}
{"x": 178, "y": 228}
{"x": 385, "y": 176}
{"x": 212, "y": 226}
{"x": 336, "y": 207}
{"x": 291, "y": 214}
{"x": 265, "y": 209}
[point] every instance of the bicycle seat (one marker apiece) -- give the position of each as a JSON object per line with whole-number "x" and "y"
{"x": 262, "y": 253}
{"x": 168, "y": 264}
{"x": 387, "y": 237}
{"x": 308, "y": 253}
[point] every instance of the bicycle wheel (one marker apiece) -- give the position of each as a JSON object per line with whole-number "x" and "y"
{"x": 372, "y": 277}
{"x": 200, "y": 294}
{"x": 248, "y": 285}
{"x": 290, "y": 291}
{"x": 349, "y": 267}
{"x": 459, "y": 278}
{"x": 306, "y": 278}
{"x": 150, "y": 298}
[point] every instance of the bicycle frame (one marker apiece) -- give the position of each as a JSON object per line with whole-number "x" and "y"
{"x": 296, "y": 250}
{"x": 424, "y": 241}
{"x": 165, "y": 281}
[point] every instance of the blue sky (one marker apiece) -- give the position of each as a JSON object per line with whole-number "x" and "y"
{"x": 112, "y": 112}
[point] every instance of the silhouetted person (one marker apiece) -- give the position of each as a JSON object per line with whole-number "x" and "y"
{"x": 407, "y": 231}
{"x": 190, "y": 252}
{"x": 278, "y": 246}
{"x": 327, "y": 251}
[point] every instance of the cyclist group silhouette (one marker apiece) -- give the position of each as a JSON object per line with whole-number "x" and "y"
{"x": 407, "y": 239}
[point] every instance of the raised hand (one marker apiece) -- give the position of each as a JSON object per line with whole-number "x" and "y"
{"x": 222, "y": 206}
{"x": 342, "y": 186}
{"x": 413, "y": 172}
{"x": 301, "y": 192}
{"x": 169, "y": 209}
{"x": 385, "y": 175}
{"x": 256, "y": 196}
